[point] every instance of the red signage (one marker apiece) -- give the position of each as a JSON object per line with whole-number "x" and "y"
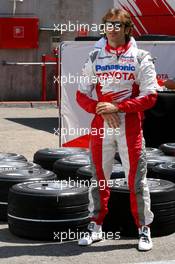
{"x": 18, "y": 32}
{"x": 150, "y": 16}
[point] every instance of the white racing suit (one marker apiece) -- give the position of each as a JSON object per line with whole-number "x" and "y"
{"x": 133, "y": 89}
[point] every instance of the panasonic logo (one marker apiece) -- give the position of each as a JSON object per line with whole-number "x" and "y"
{"x": 115, "y": 67}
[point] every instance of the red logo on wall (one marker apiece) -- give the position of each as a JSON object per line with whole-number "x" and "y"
{"x": 151, "y": 16}
{"x": 18, "y": 32}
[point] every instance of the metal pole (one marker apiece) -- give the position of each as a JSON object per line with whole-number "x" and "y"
{"x": 14, "y": 7}
{"x": 44, "y": 78}
{"x": 59, "y": 97}
{"x": 57, "y": 75}
{"x": 4, "y": 63}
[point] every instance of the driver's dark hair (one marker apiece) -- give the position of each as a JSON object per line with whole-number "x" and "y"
{"x": 126, "y": 19}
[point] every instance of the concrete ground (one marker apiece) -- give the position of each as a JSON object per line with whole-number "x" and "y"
{"x": 25, "y": 130}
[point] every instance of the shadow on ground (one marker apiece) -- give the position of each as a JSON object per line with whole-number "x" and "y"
{"x": 24, "y": 247}
{"x": 40, "y": 123}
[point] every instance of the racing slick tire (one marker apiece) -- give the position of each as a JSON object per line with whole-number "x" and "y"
{"x": 44, "y": 210}
{"x": 151, "y": 152}
{"x": 152, "y": 161}
{"x": 162, "y": 204}
{"x": 165, "y": 171}
{"x": 168, "y": 149}
{"x": 66, "y": 168}
{"x": 11, "y": 157}
{"x": 85, "y": 172}
{"x": 16, "y": 165}
{"x": 46, "y": 157}
{"x": 10, "y": 178}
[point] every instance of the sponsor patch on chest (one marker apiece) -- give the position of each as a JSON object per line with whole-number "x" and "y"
{"x": 117, "y": 75}
{"x": 117, "y": 67}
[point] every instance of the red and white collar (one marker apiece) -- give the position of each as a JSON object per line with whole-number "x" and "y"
{"x": 119, "y": 50}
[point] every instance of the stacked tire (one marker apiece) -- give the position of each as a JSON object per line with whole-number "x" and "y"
{"x": 48, "y": 210}
{"x": 168, "y": 149}
{"x": 164, "y": 171}
{"x": 151, "y": 152}
{"x": 162, "y": 166}
{"x": 119, "y": 218}
{"x": 47, "y": 157}
{"x": 10, "y": 178}
{"x": 66, "y": 168}
{"x": 13, "y": 172}
{"x": 11, "y": 157}
{"x": 11, "y": 165}
{"x": 44, "y": 210}
{"x": 152, "y": 162}
{"x": 85, "y": 172}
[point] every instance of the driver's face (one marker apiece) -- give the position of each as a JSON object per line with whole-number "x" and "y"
{"x": 115, "y": 29}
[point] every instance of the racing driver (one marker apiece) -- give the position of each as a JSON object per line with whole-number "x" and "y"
{"x": 126, "y": 86}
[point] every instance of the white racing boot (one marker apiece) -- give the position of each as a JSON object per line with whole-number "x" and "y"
{"x": 145, "y": 242}
{"x": 94, "y": 235}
